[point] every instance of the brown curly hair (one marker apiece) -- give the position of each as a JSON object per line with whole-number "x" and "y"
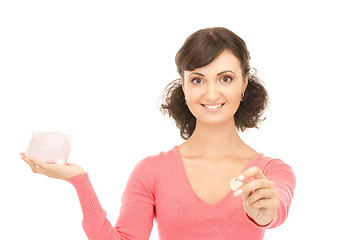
{"x": 200, "y": 49}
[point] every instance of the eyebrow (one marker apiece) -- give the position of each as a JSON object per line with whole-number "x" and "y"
{"x": 217, "y": 74}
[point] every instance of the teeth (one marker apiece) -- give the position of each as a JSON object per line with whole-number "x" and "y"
{"x": 214, "y": 106}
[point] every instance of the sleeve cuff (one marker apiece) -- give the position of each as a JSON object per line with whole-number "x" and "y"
{"x": 87, "y": 196}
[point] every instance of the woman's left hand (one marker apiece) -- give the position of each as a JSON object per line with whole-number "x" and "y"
{"x": 260, "y": 198}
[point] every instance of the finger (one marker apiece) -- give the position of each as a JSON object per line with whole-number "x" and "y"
{"x": 23, "y": 157}
{"x": 262, "y": 194}
{"x": 263, "y": 203}
{"x": 34, "y": 167}
{"x": 254, "y": 172}
{"x": 247, "y": 188}
{"x": 26, "y": 160}
{"x": 71, "y": 164}
{"x": 39, "y": 163}
{"x": 257, "y": 184}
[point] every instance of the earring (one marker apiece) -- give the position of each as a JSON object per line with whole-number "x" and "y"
{"x": 242, "y": 97}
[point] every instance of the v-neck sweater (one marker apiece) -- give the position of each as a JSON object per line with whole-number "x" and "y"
{"x": 158, "y": 188}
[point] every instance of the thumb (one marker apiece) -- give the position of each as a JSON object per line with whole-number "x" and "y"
{"x": 71, "y": 164}
{"x": 74, "y": 165}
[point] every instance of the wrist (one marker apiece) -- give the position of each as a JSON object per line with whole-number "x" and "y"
{"x": 75, "y": 174}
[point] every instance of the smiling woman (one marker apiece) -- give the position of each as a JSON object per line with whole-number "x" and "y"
{"x": 215, "y": 94}
{"x": 189, "y": 190}
{"x": 200, "y": 50}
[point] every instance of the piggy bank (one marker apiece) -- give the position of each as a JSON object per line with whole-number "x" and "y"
{"x": 50, "y": 147}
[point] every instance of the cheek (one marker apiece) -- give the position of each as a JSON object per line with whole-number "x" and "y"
{"x": 234, "y": 95}
{"x": 192, "y": 96}
{"x": 194, "y": 102}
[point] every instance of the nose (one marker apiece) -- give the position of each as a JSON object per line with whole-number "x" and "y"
{"x": 212, "y": 91}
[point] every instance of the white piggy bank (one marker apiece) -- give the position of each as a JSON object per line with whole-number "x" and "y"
{"x": 50, "y": 147}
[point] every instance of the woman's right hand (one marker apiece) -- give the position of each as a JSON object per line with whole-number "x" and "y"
{"x": 63, "y": 172}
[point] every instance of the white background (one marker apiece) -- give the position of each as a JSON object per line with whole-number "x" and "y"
{"x": 96, "y": 69}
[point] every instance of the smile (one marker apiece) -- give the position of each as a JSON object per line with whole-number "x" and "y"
{"x": 213, "y": 107}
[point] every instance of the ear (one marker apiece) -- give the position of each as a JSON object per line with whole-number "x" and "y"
{"x": 245, "y": 82}
{"x": 182, "y": 85}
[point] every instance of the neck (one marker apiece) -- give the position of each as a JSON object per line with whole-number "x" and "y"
{"x": 214, "y": 141}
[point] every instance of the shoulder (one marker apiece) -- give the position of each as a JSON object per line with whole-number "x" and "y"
{"x": 155, "y": 161}
{"x": 269, "y": 164}
{"x": 147, "y": 170}
{"x": 277, "y": 170}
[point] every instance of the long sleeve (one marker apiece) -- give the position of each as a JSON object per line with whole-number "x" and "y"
{"x": 284, "y": 178}
{"x": 94, "y": 223}
{"x": 138, "y": 202}
{"x": 136, "y": 214}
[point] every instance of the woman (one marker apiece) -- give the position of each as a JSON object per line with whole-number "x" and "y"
{"x": 186, "y": 189}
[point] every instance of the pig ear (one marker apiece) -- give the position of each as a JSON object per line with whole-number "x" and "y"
{"x": 35, "y": 134}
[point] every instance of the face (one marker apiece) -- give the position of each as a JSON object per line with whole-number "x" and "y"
{"x": 213, "y": 92}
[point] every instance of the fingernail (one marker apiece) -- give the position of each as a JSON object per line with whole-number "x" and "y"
{"x": 238, "y": 192}
{"x": 240, "y": 178}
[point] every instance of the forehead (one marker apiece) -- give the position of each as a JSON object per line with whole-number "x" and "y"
{"x": 225, "y": 61}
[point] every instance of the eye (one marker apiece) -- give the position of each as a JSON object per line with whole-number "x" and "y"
{"x": 227, "y": 79}
{"x": 196, "y": 81}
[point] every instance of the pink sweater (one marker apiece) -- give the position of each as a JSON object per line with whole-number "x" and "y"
{"x": 158, "y": 189}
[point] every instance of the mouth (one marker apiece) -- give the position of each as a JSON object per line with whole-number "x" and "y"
{"x": 213, "y": 106}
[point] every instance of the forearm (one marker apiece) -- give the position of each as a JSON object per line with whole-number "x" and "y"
{"x": 95, "y": 223}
